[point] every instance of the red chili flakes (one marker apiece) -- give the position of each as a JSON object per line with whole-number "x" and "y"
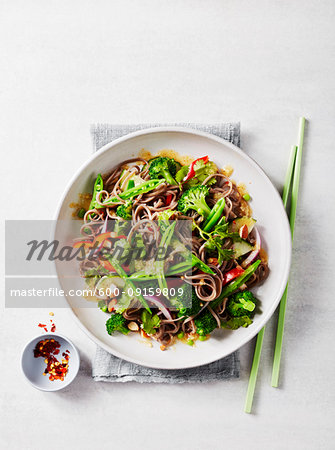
{"x": 45, "y": 327}
{"x": 42, "y": 325}
{"x": 53, "y": 327}
{"x": 66, "y": 355}
{"x": 48, "y": 349}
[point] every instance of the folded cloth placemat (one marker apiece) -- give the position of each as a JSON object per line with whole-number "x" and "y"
{"x": 107, "y": 367}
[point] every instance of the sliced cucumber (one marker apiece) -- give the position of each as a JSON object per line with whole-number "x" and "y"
{"x": 136, "y": 179}
{"x": 123, "y": 175}
{"x": 236, "y": 224}
{"x": 241, "y": 248}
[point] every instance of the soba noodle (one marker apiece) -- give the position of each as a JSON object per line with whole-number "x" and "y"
{"x": 145, "y": 212}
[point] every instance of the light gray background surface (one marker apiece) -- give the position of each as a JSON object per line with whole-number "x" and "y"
{"x": 67, "y": 64}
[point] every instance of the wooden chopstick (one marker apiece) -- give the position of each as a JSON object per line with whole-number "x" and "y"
{"x": 260, "y": 336}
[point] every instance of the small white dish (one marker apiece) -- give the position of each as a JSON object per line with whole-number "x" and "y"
{"x": 33, "y": 368}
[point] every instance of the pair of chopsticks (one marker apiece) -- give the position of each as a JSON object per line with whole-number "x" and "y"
{"x": 291, "y": 185}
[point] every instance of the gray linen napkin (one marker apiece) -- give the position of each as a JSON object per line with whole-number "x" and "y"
{"x": 107, "y": 367}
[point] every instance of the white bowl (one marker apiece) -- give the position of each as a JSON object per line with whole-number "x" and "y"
{"x": 33, "y": 368}
{"x": 272, "y": 224}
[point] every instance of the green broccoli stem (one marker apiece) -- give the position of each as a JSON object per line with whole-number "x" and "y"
{"x": 214, "y": 215}
{"x": 123, "y": 329}
{"x": 169, "y": 178}
{"x": 142, "y": 188}
{"x": 237, "y": 283}
{"x": 120, "y": 271}
{"x": 202, "y": 208}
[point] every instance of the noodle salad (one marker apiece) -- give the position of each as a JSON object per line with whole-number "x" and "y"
{"x": 197, "y": 220}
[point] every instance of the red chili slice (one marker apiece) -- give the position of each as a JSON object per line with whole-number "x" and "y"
{"x": 168, "y": 199}
{"x": 107, "y": 265}
{"x": 191, "y": 171}
{"x": 232, "y": 274}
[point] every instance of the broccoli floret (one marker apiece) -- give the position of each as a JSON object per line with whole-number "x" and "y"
{"x": 205, "y": 323}
{"x": 190, "y": 302}
{"x": 116, "y": 323}
{"x": 195, "y": 198}
{"x": 241, "y": 304}
{"x": 124, "y": 211}
{"x": 236, "y": 322}
{"x": 163, "y": 168}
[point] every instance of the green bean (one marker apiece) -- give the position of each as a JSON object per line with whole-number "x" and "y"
{"x": 121, "y": 272}
{"x": 98, "y": 187}
{"x": 142, "y": 188}
{"x": 237, "y": 283}
{"x": 214, "y": 215}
